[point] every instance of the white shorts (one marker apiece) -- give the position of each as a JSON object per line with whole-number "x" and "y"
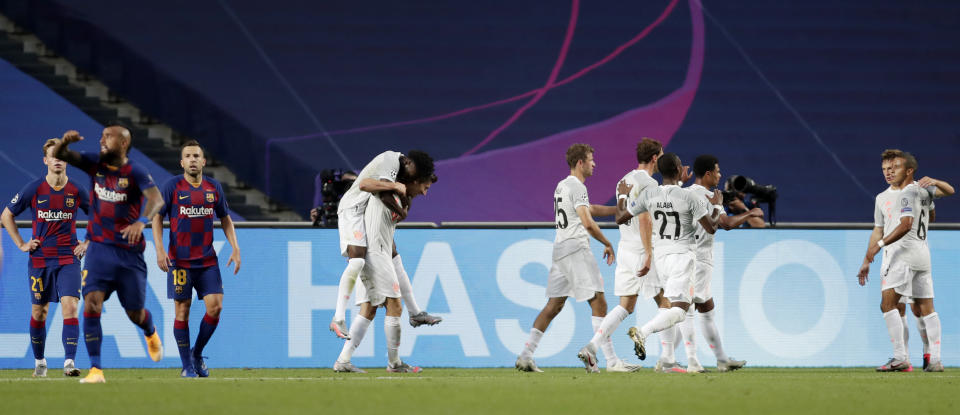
{"x": 625, "y": 280}
{"x": 576, "y": 275}
{"x": 352, "y": 230}
{"x": 378, "y": 280}
{"x": 676, "y": 272}
{"x": 906, "y": 281}
{"x": 702, "y": 275}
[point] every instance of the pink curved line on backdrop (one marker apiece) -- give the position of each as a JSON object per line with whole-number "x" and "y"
{"x": 616, "y": 52}
{"x": 516, "y": 183}
{"x": 554, "y": 73}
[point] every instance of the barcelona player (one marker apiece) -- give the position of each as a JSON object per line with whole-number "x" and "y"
{"x": 54, "y": 266}
{"x": 191, "y": 200}
{"x": 115, "y": 255}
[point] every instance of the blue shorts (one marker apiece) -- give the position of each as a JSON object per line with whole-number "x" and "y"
{"x": 182, "y": 281}
{"x": 48, "y": 284}
{"x": 109, "y": 268}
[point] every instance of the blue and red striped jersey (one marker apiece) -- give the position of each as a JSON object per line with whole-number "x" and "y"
{"x": 191, "y": 210}
{"x": 54, "y": 219}
{"x": 116, "y": 197}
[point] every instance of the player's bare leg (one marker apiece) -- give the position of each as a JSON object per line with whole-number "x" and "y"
{"x": 181, "y": 332}
{"x": 391, "y": 326}
{"x": 553, "y": 307}
{"x": 357, "y": 331}
{"x": 38, "y": 337}
{"x": 69, "y": 306}
{"x": 93, "y": 335}
{"x": 348, "y": 279}
{"x": 891, "y": 316}
{"x": 931, "y": 321}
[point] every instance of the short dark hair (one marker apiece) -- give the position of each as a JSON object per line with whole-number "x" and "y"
{"x": 647, "y": 148}
{"x": 909, "y": 161}
{"x": 704, "y": 163}
{"x": 423, "y": 163}
{"x": 578, "y": 152}
{"x": 669, "y": 166}
{"x": 192, "y": 143}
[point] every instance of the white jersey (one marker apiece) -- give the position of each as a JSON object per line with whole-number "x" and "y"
{"x": 630, "y": 231}
{"x": 704, "y": 239}
{"x": 571, "y": 235}
{"x": 674, "y": 211}
{"x": 384, "y": 166}
{"x": 891, "y": 206}
{"x": 381, "y": 224}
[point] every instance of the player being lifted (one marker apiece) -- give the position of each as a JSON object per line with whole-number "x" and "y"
{"x": 674, "y": 211}
{"x": 706, "y": 168}
{"x": 635, "y": 273}
{"x": 574, "y": 271}
{"x": 191, "y": 200}
{"x": 389, "y": 171}
{"x": 901, "y": 220}
{"x": 54, "y": 266}
{"x": 115, "y": 255}
{"x": 381, "y": 270}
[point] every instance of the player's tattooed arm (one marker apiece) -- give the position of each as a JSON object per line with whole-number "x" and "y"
{"x": 62, "y": 151}
{"x": 584, "y": 213}
{"x": 623, "y": 191}
{"x": 374, "y": 186}
{"x": 11, "y": 225}
{"x": 733, "y": 222}
{"x": 943, "y": 188}
{"x": 391, "y": 203}
{"x": 875, "y": 236}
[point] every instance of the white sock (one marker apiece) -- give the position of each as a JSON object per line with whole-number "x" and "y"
{"x": 358, "y": 329}
{"x": 391, "y": 326}
{"x": 895, "y": 329}
{"x": 668, "y": 338}
{"x": 664, "y": 319}
{"x": 609, "y": 325}
{"x": 531, "y": 345}
{"x": 606, "y": 345}
{"x": 406, "y": 289}
{"x": 712, "y": 335}
{"x": 932, "y": 321}
{"x": 922, "y": 328}
{"x": 906, "y": 335}
{"x": 347, "y": 280}
{"x": 688, "y": 335}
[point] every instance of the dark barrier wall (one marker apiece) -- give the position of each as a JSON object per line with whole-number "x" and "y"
{"x": 800, "y": 94}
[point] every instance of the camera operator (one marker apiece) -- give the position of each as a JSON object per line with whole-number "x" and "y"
{"x": 330, "y": 187}
{"x": 735, "y": 200}
{"x": 737, "y": 205}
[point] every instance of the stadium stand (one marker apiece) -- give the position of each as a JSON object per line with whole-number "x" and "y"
{"x": 800, "y": 94}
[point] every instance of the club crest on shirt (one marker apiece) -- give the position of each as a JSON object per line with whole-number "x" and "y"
{"x": 122, "y": 183}
{"x": 209, "y": 197}
{"x": 69, "y": 201}
{"x": 904, "y": 202}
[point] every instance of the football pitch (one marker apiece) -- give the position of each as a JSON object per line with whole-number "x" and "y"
{"x": 501, "y": 390}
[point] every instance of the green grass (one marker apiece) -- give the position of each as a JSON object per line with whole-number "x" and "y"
{"x": 463, "y": 391}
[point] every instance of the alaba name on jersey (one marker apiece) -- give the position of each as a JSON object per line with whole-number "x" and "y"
{"x": 54, "y": 219}
{"x": 570, "y": 194}
{"x": 630, "y": 231}
{"x": 191, "y": 210}
{"x": 674, "y": 211}
{"x": 891, "y": 206}
{"x": 704, "y": 239}
{"x": 116, "y": 199}
{"x": 381, "y": 223}
{"x": 385, "y": 166}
